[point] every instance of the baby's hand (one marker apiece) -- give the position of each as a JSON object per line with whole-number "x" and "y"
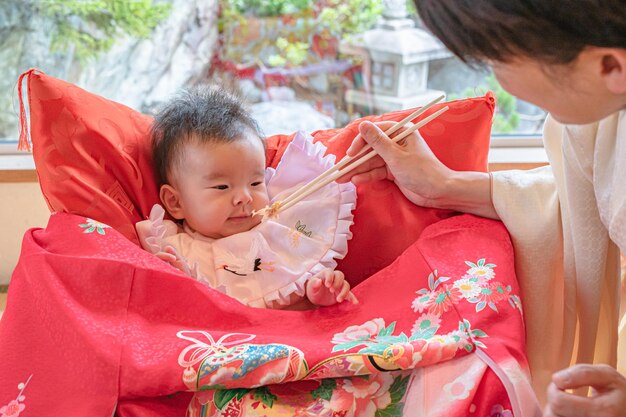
{"x": 329, "y": 287}
{"x": 171, "y": 256}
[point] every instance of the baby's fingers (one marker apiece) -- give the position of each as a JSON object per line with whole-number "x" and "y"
{"x": 343, "y": 291}
{"x": 315, "y": 283}
{"x": 329, "y": 280}
{"x": 346, "y": 294}
{"x": 352, "y": 298}
{"x": 165, "y": 256}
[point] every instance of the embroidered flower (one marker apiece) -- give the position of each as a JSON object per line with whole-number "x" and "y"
{"x": 499, "y": 411}
{"x": 94, "y": 225}
{"x": 12, "y": 409}
{"x": 16, "y": 406}
{"x": 457, "y": 338}
{"x": 481, "y": 270}
{"x": 405, "y": 355}
{"x": 363, "y": 396}
{"x": 421, "y": 302}
{"x": 363, "y": 332}
{"x": 443, "y": 300}
{"x": 494, "y": 292}
{"x": 424, "y": 322}
{"x": 460, "y": 388}
{"x": 469, "y": 287}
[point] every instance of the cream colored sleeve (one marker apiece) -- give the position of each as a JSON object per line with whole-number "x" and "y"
{"x": 527, "y": 203}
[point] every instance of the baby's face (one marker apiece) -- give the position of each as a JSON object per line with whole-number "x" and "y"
{"x": 220, "y": 184}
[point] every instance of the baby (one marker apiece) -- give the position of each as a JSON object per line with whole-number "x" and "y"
{"x": 210, "y": 162}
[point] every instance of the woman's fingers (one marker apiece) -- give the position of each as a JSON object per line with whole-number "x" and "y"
{"x": 375, "y": 164}
{"x": 562, "y": 403}
{"x": 609, "y": 398}
{"x": 586, "y": 375}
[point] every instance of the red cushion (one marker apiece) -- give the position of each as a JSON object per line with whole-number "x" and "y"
{"x": 92, "y": 155}
{"x": 93, "y": 158}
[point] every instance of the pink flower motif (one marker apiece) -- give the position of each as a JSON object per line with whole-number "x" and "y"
{"x": 363, "y": 395}
{"x": 493, "y": 292}
{"x": 363, "y": 332}
{"x": 499, "y": 411}
{"x": 406, "y": 355}
{"x": 426, "y": 321}
{"x": 443, "y": 300}
{"x": 12, "y": 409}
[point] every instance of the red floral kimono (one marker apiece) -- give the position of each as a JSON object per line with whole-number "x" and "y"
{"x": 96, "y": 326}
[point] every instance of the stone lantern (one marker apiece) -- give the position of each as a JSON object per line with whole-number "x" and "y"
{"x": 396, "y": 56}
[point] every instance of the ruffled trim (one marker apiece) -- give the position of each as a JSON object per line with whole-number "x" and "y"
{"x": 152, "y": 240}
{"x": 339, "y": 248}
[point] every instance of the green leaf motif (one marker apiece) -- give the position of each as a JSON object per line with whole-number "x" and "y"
{"x": 398, "y": 388}
{"x": 387, "y": 331}
{"x": 223, "y": 397}
{"x": 264, "y": 395}
{"x": 376, "y": 349}
{"x": 325, "y": 391}
{"x": 479, "y": 333}
{"x": 431, "y": 280}
{"x": 425, "y": 334}
{"x": 480, "y": 344}
{"x": 401, "y": 338}
{"x": 392, "y": 410}
{"x": 348, "y": 345}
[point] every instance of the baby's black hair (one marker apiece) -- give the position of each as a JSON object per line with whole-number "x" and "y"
{"x": 208, "y": 114}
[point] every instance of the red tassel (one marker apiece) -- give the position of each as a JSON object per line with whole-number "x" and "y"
{"x": 24, "y": 143}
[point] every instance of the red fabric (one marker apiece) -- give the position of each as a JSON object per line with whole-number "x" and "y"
{"x": 92, "y": 155}
{"x": 92, "y": 320}
{"x": 93, "y": 159}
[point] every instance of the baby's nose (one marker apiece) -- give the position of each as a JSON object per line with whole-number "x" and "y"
{"x": 244, "y": 196}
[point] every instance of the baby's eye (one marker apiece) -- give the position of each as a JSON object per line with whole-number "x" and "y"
{"x": 257, "y": 183}
{"x": 221, "y": 187}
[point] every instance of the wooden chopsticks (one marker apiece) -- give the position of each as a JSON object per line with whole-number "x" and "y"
{"x": 338, "y": 169}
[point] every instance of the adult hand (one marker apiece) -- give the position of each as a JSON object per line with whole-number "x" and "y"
{"x": 417, "y": 172}
{"x": 609, "y": 392}
{"x": 421, "y": 177}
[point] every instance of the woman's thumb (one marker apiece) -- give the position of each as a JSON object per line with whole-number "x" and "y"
{"x": 377, "y": 139}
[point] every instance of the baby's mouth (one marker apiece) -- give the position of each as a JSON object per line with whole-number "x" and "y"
{"x": 239, "y": 218}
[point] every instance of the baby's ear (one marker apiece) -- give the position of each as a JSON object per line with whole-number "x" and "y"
{"x": 171, "y": 200}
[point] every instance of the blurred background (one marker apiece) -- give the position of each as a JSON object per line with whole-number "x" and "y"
{"x": 301, "y": 64}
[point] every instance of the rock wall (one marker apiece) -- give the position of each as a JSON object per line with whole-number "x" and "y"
{"x": 139, "y": 73}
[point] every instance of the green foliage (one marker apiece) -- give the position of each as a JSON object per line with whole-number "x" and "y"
{"x": 294, "y": 53}
{"x": 264, "y": 8}
{"x": 264, "y": 395}
{"x": 333, "y": 18}
{"x": 345, "y": 17}
{"x": 396, "y": 392}
{"x": 223, "y": 397}
{"x": 92, "y": 26}
{"x": 325, "y": 391}
{"x": 507, "y": 118}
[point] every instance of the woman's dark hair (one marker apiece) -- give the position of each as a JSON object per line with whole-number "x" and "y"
{"x": 549, "y": 31}
{"x": 208, "y": 114}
